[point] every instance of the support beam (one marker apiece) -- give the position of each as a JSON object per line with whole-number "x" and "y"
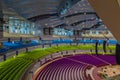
{"x": 65, "y": 5}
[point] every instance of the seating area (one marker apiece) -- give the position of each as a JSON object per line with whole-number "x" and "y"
{"x": 59, "y": 40}
{"x": 73, "y": 67}
{"x": 108, "y": 58}
{"x": 63, "y": 69}
{"x": 84, "y": 41}
{"x": 18, "y": 64}
{"x": 96, "y": 60}
{"x": 7, "y": 46}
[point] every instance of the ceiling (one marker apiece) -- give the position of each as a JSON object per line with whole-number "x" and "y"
{"x": 31, "y": 8}
{"x": 45, "y": 13}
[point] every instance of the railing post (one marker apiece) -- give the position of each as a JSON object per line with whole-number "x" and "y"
{"x": 26, "y": 49}
{"x": 110, "y": 51}
{"x": 56, "y": 44}
{"x": 31, "y": 72}
{"x": 66, "y": 52}
{"x": 16, "y": 52}
{"x": 50, "y": 45}
{"x": 4, "y": 57}
{"x": 42, "y": 45}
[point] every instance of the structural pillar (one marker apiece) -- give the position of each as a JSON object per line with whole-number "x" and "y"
{"x": 96, "y": 48}
{"x": 1, "y": 20}
{"x": 118, "y": 53}
{"x": 104, "y": 46}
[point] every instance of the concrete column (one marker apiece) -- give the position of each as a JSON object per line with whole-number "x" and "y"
{"x": 118, "y": 53}
{"x": 1, "y": 20}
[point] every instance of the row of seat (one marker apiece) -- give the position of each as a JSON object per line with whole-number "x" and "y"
{"x": 16, "y": 45}
{"x": 95, "y": 60}
{"x": 73, "y": 67}
{"x": 83, "y": 41}
{"x": 63, "y": 69}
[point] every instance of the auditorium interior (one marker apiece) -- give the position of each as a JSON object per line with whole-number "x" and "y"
{"x": 59, "y": 40}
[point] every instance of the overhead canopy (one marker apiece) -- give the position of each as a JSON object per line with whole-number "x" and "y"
{"x": 31, "y": 8}
{"x": 45, "y": 13}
